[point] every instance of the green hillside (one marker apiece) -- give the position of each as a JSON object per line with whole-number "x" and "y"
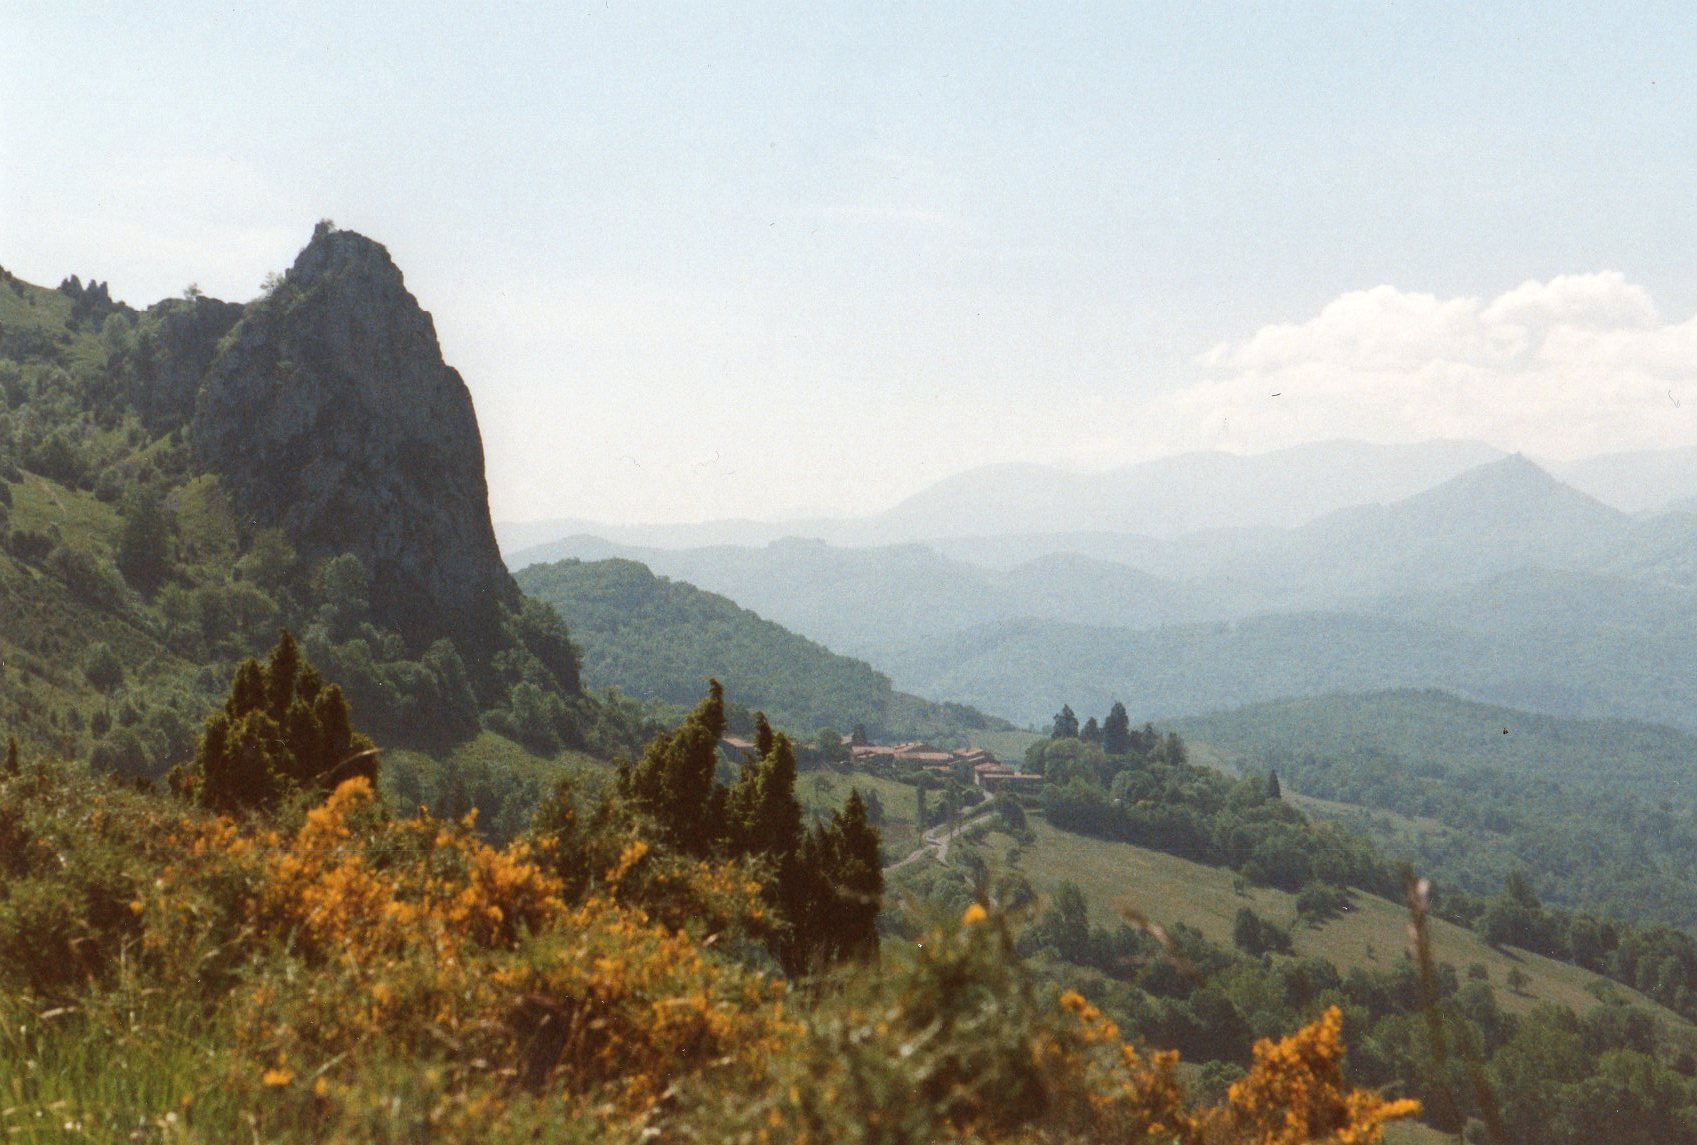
{"x": 661, "y": 639}
{"x": 1598, "y": 815}
{"x": 1430, "y": 726}
{"x": 139, "y": 565}
{"x": 1372, "y": 934}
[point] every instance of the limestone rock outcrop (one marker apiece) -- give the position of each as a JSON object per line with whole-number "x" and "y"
{"x": 330, "y": 413}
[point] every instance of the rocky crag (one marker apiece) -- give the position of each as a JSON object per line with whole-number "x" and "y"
{"x": 330, "y": 413}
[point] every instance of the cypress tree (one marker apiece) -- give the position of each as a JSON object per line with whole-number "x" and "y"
{"x": 857, "y": 878}
{"x": 280, "y": 730}
{"x": 1066, "y": 724}
{"x": 763, "y": 738}
{"x": 673, "y": 781}
{"x": 1116, "y": 731}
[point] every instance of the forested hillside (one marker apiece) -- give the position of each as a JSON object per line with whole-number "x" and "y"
{"x": 1588, "y": 815}
{"x": 155, "y": 529}
{"x": 655, "y": 638}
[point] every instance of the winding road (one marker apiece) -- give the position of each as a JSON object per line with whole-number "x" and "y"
{"x": 936, "y": 840}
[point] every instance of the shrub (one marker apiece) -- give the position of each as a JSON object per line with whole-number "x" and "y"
{"x": 102, "y": 668}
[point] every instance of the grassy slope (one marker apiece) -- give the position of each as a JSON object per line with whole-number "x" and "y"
{"x": 45, "y": 629}
{"x": 1167, "y": 890}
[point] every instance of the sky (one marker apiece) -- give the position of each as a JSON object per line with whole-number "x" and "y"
{"x": 705, "y": 261}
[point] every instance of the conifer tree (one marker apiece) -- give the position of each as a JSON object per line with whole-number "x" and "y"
{"x": 825, "y": 884}
{"x": 1066, "y": 724}
{"x": 763, "y": 739}
{"x": 857, "y": 883}
{"x": 674, "y": 783}
{"x": 1092, "y": 732}
{"x": 1116, "y": 731}
{"x": 281, "y": 730}
{"x": 13, "y": 764}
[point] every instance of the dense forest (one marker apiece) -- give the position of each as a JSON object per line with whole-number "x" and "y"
{"x": 658, "y": 639}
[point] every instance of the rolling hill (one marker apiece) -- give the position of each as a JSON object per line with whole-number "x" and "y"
{"x": 660, "y": 639}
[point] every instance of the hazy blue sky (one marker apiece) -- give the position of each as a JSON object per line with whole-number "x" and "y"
{"x": 731, "y": 259}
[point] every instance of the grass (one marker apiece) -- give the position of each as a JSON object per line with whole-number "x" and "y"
{"x": 1008, "y": 746}
{"x": 38, "y": 503}
{"x": 1372, "y": 934}
{"x": 1414, "y": 1133}
{"x": 821, "y": 792}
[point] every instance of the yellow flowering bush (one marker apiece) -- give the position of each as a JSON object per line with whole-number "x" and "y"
{"x": 1294, "y": 1094}
{"x": 357, "y": 977}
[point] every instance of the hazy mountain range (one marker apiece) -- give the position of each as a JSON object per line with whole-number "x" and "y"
{"x": 1500, "y": 582}
{"x": 1169, "y": 496}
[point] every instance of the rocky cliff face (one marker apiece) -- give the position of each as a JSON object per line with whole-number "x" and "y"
{"x": 171, "y": 365}
{"x": 333, "y": 417}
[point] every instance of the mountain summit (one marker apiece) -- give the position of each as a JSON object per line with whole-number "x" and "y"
{"x": 333, "y": 417}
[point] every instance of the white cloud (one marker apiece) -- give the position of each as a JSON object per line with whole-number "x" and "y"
{"x": 1577, "y": 365}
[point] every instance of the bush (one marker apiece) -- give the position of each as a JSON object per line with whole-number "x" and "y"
{"x": 102, "y": 668}
{"x": 29, "y": 546}
{"x": 85, "y": 574}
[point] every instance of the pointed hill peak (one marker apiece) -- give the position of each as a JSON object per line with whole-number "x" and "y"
{"x": 1515, "y": 480}
{"x": 333, "y": 253}
{"x": 332, "y": 416}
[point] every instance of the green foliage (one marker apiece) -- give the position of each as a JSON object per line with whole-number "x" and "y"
{"x": 1319, "y": 902}
{"x": 282, "y": 730}
{"x": 1065, "y": 724}
{"x": 657, "y": 639}
{"x": 825, "y": 883}
{"x": 1254, "y": 935}
{"x": 1152, "y": 798}
{"x": 144, "y": 544}
{"x": 102, "y": 668}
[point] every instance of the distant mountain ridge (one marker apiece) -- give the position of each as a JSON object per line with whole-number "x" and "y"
{"x": 1502, "y": 584}
{"x": 1183, "y": 494}
{"x": 1167, "y": 496}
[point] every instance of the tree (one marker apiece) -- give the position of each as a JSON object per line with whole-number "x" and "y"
{"x": 144, "y": 541}
{"x": 1273, "y": 791}
{"x": 13, "y": 764}
{"x": 673, "y": 781}
{"x": 1066, "y": 724}
{"x": 857, "y": 737}
{"x": 830, "y": 745}
{"x": 269, "y": 559}
{"x": 282, "y": 730}
{"x": 763, "y": 815}
{"x": 853, "y": 884}
{"x": 1092, "y": 733}
{"x": 1254, "y": 935}
{"x": 102, "y": 668}
{"x": 1116, "y": 731}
